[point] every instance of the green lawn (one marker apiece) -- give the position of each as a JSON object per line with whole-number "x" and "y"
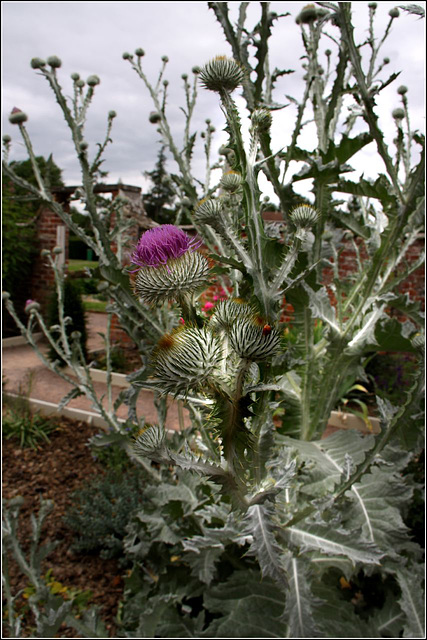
{"x": 79, "y": 265}
{"x": 94, "y": 305}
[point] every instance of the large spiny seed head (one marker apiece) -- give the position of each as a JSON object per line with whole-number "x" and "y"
{"x": 149, "y": 440}
{"x": 207, "y": 211}
{"x": 254, "y": 339}
{"x": 186, "y": 274}
{"x": 222, "y": 74}
{"x": 231, "y": 182}
{"x": 304, "y": 216}
{"x": 186, "y": 359}
{"x": 228, "y": 312}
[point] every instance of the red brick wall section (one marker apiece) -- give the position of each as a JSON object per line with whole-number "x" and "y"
{"x": 42, "y": 281}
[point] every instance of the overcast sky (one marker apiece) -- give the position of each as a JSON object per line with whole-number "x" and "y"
{"x": 90, "y": 38}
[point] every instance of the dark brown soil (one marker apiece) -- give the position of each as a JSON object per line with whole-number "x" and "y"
{"x": 54, "y": 472}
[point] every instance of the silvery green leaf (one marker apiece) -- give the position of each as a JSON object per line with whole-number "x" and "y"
{"x": 387, "y": 622}
{"x": 248, "y": 605}
{"x": 264, "y": 547}
{"x": 202, "y": 554}
{"x": 321, "y": 307}
{"x": 300, "y": 602}
{"x": 329, "y": 458}
{"x": 88, "y": 624}
{"x": 412, "y": 600}
{"x": 375, "y": 505}
{"x": 333, "y": 541}
{"x": 74, "y": 393}
{"x": 336, "y": 617}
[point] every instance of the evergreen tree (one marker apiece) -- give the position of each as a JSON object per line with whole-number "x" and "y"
{"x": 159, "y": 201}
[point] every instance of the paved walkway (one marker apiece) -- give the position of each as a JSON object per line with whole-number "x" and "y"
{"x": 25, "y": 374}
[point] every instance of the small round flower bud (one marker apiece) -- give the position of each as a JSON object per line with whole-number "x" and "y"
{"x": 231, "y": 181}
{"x": 6, "y": 139}
{"x": 139, "y": 52}
{"x": 184, "y": 76}
{"x": 31, "y": 305}
{"x": 398, "y": 114}
{"x": 149, "y": 440}
{"x": 17, "y": 116}
{"x": 5, "y": 295}
{"x": 261, "y": 118}
{"x": 207, "y": 211}
{"x": 75, "y": 335}
{"x": 304, "y": 216}
{"x": 54, "y": 62}
{"x": 44, "y": 253}
{"x": 80, "y": 83}
{"x": 308, "y": 14}
{"x": 394, "y": 13}
{"x": 196, "y": 70}
{"x": 75, "y": 76}
{"x": 127, "y": 56}
{"x": 165, "y": 59}
{"x": 83, "y": 146}
{"x": 57, "y": 250}
{"x": 93, "y": 81}
{"x": 372, "y": 5}
{"x": 328, "y": 52}
{"x": 186, "y": 359}
{"x": 402, "y": 90}
{"x": 112, "y": 114}
{"x": 222, "y": 74}
{"x": 154, "y": 117}
{"x": 165, "y": 83}
{"x": 37, "y": 63}
{"x": 386, "y": 60}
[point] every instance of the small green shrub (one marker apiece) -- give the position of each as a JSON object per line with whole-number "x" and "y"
{"x": 29, "y": 429}
{"x": 101, "y": 511}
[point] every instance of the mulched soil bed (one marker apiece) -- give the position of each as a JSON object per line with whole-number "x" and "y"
{"x": 55, "y": 471}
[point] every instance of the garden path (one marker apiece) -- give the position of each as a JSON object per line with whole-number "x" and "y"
{"x": 25, "y": 374}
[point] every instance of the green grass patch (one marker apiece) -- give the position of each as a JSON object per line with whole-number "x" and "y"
{"x": 95, "y": 305}
{"x": 79, "y": 265}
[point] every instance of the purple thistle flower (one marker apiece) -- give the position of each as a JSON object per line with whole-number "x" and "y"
{"x": 156, "y": 246}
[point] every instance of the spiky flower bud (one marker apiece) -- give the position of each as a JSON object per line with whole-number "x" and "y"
{"x": 139, "y": 52}
{"x": 75, "y": 76}
{"x": 184, "y": 76}
{"x": 307, "y": 14}
{"x": 254, "y": 339}
{"x": 222, "y": 74}
{"x": 93, "y": 81}
{"x": 402, "y": 90}
{"x": 165, "y": 59}
{"x": 228, "y": 312}
{"x": 37, "y": 63}
{"x": 398, "y": 114}
{"x": 261, "y": 119}
{"x": 149, "y": 440}
{"x": 112, "y": 114}
{"x": 231, "y": 182}
{"x": 168, "y": 264}
{"x": 394, "y": 13}
{"x": 54, "y": 62}
{"x": 186, "y": 359}
{"x": 44, "y": 253}
{"x": 154, "y": 117}
{"x": 80, "y": 83}
{"x": 304, "y": 216}
{"x": 17, "y": 116}
{"x": 386, "y": 60}
{"x": 127, "y": 56}
{"x": 419, "y": 342}
{"x": 207, "y": 211}
{"x": 196, "y": 70}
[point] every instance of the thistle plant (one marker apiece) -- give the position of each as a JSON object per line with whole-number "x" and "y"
{"x": 301, "y": 512}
